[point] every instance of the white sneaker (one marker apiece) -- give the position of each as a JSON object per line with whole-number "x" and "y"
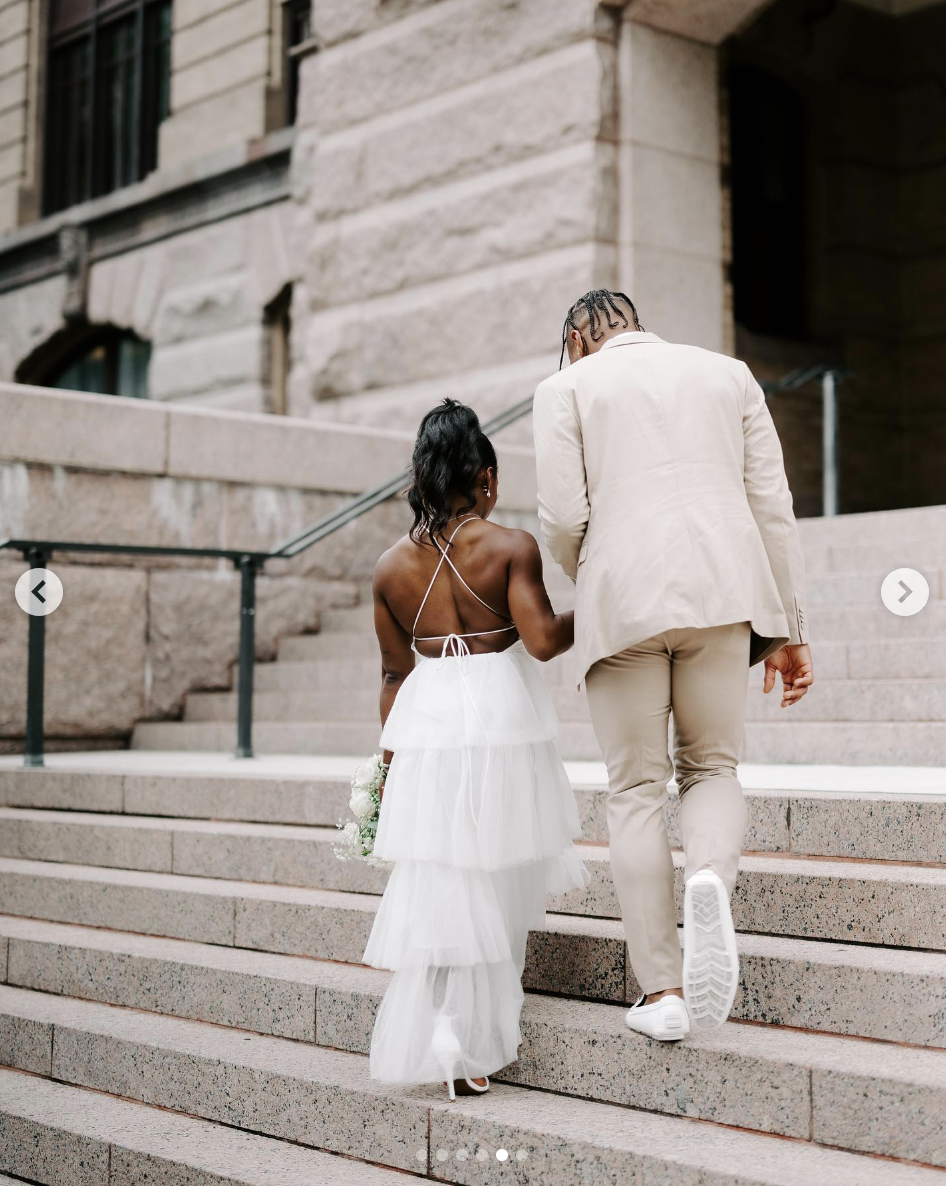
{"x": 666, "y": 1019}
{"x": 710, "y": 961}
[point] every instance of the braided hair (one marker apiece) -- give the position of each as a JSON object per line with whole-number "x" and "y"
{"x": 597, "y": 305}
{"x": 450, "y": 452}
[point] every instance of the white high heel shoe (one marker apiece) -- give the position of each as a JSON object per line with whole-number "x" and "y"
{"x": 447, "y": 1051}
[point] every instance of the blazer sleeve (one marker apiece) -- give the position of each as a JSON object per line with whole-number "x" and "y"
{"x": 771, "y": 503}
{"x": 560, "y": 466}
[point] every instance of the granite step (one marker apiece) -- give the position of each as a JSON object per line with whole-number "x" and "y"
{"x": 871, "y": 826}
{"x": 53, "y": 1134}
{"x": 881, "y": 660}
{"x": 341, "y": 704}
{"x": 845, "y": 902}
{"x": 844, "y": 743}
{"x": 844, "y": 1093}
{"x": 851, "y": 700}
{"x": 860, "y": 584}
{"x": 894, "y": 904}
{"x": 572, "y": 1139}
{"x": 827, "y": 987}
{"x": 871, "y": 622}
{"x": 805, "y": 897}
{"x": 909, "y": 829}
{"x": 832, "y": 700}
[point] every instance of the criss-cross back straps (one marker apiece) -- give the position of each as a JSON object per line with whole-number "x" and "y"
{"x": 485, "y": 604}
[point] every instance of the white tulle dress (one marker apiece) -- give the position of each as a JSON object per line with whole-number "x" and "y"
{"x": 479, "y": 817}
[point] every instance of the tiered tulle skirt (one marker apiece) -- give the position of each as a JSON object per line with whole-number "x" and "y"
{"x": 479, "y": 818}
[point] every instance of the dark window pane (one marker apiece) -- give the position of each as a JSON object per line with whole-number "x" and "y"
{"x": 134, "y": 358}
{"x": 69, "y": 113}
{"x": 88, "y": 373}
{"x": 102, "y": 132}
{"x": 116, "y": 364}
{"x": 768, "y": 203}
{"x": 297, "y": 28}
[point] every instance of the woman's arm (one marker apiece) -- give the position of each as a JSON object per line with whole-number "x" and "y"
{"x": 397, "y": 658}
{"x": 544, "y": 632}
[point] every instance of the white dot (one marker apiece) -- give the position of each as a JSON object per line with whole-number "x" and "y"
{"x": 421, "y": 1154}
{"x": 443, "y": 1154}
{"x": 502, "y": 1155}
{"x": 482, "y": 1154}
{"x": 522, "y": 1154}
{"x": 461, "y": 1155}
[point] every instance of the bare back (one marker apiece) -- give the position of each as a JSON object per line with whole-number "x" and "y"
{"x": 481, "y": 554}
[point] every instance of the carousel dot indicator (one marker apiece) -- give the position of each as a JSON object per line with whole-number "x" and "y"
{"x": 443, "y": 1154}
{"x": 421, "y": 1154}
{"x": 522, "y": 1154}
{"x": 502, "y": 1154}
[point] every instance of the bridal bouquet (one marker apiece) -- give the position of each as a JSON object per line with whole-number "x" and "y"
{"x": 357, "y": 839}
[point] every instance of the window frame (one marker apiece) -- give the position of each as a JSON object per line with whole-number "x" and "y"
{"x": 89, "y": 179}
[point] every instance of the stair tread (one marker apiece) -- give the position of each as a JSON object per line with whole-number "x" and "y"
{"x": 787, "y": 863}
{"x": 312, "y": 970}
{"x": 787, "y": 1057}
{"x": 175, "y": 1139}
{"x": 267, "y": 1161}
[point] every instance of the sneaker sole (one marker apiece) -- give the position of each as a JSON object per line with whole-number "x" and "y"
{"x": 710, "y": 960}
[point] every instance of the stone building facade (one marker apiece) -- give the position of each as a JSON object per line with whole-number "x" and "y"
{"x": 359, "y": 209}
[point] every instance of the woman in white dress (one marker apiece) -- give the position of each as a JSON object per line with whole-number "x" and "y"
{"x": 478, "y": 814}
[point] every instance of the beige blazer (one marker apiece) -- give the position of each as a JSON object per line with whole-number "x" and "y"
{"x": 662, "y": 494}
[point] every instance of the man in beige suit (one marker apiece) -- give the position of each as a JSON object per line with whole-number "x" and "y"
{"x": 662, "y": 494}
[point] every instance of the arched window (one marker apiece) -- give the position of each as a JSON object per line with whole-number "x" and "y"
{"x": 769, "y": 223}
{"x": 99, "y": 358}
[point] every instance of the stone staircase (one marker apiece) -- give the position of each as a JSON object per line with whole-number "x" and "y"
{"x": 182, "y": 1000}
{"x": 880, "y": 695}
{"x": 182, "y": 1003}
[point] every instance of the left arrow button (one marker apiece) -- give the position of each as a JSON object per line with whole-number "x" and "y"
{"x": 39, "y": 592}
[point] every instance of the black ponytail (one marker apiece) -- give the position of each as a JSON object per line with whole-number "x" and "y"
{"x": 450, "y": 452}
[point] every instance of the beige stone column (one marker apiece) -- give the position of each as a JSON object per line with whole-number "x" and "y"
{"x": 671, "y": 211}
{"x": 455, "y": 180}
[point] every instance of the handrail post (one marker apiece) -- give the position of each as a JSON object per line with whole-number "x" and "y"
{"x": 35, "y": 675}
{"x": 248, "y": 568}
{"x": 829, "y": 444}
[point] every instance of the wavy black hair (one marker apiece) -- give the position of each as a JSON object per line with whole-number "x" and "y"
{"x": 450, "y": 451}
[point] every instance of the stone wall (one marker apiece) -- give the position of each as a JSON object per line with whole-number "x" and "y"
{"x": 225, "y": 71}
{"x": 187, "y": 260}
{"x": 132, "y": 636}
{"x": 464, "y": 170}
{"x": 455, "y": 177}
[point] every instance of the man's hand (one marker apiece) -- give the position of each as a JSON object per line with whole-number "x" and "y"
{"x": 794, "y": 663}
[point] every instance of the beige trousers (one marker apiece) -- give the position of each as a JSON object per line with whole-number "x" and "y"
{"x": 699, "y": 674}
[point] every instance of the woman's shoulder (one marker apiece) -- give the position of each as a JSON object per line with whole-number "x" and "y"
{"x": 391, "y": 562}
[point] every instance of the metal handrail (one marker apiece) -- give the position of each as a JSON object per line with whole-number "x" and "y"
{"x": 249, "y": 564}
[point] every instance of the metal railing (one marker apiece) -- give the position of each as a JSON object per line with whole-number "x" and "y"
{"x": 830, "y": 377}
{"x": 249, "y": 564}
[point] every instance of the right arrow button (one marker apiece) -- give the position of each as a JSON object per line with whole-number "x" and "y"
{"x": 905, "y": 592}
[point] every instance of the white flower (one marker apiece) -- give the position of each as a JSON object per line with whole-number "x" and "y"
{"x": 366, "y": 775}
{"x": 361, "y": 802}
